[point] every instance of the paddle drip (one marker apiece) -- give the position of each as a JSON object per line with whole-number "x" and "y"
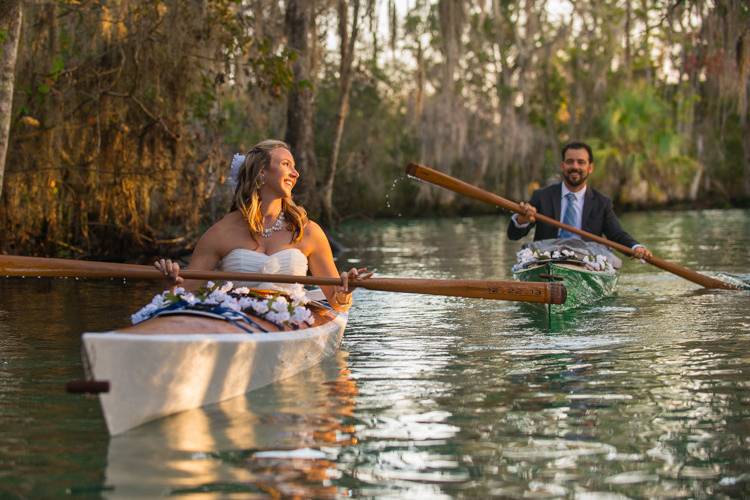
{"x": 388, "y": 194}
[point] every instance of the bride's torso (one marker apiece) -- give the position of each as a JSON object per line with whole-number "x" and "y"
{"x": 287, "y": 261}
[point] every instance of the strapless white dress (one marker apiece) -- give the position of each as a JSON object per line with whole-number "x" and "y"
{"x": 286, "y": 261}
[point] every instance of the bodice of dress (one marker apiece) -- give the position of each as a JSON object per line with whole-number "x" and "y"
{"x": 286, "y": 261}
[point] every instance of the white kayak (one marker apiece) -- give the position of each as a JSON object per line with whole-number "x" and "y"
{"x": 153, "y": 374}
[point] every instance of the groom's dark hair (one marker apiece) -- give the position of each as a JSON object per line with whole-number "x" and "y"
{"x": 577, "y": 145}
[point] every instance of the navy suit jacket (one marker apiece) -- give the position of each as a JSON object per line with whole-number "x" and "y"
{"x": 598, "y": 216}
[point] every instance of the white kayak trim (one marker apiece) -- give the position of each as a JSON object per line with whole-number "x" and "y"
{"x": 155, "y": 375}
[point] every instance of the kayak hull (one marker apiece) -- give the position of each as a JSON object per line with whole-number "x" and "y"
{"x": 584, "y": 286}
{"x": 155, "y": 375}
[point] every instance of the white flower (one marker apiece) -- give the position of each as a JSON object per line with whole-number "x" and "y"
{"x": 300, "y": 315}
{"x": 278, "y": 317}
{"x": 227, "y": 287}
{"x": 297, "y": 294}
{"x": 525, "y": 255}
{"x": 243, "y": 290}
{"x": 149, "y": 309}
{"x": 555, "y": 254}
{"x": 210, "y": 284}
{"x": 158, "y": 300}
{"x": 231, "y": 303}
{"x": 246, "y": 302}
{"x": 259, "y": 306}
{"x": 190, "y": 298}
{"x": 280, "y": 304}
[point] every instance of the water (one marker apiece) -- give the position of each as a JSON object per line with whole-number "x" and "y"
{"x": 646, "y": 394}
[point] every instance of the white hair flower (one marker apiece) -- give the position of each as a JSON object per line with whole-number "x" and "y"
{"x": 234, "y": 170}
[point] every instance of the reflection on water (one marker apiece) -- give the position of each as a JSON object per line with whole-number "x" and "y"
{"x": 644, "y": 394}
{"x": 281, "y": 441}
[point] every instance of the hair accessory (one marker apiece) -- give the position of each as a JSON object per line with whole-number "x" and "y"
{"x": 234, "y": 171}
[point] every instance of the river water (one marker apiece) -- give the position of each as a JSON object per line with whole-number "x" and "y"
{"x": 645, "y": 394}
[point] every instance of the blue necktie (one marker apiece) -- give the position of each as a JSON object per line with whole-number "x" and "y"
{"x": 571, "y": 210}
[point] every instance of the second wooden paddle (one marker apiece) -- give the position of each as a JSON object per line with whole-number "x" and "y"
{"x": 546, "y": 293}
{"x": 451, "y": 183}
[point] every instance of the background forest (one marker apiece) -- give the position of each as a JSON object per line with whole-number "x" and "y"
{"x": 118, "y": 118}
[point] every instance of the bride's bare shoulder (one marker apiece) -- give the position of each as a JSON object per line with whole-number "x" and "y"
{"x": 222, "y": 231}
{"x": 313, "y": 231}
{"x": 229, "y": 222}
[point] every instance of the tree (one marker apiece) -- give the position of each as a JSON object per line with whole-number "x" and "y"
{"x": 11, "y": 15}
{"x": 300, "y": 27}
{"x": 348, "y": 40}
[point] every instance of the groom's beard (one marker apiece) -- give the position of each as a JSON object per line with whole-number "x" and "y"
{"x": 580, "y": 179}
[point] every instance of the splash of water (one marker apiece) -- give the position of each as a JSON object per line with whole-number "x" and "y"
{"x": 741, "y": 281}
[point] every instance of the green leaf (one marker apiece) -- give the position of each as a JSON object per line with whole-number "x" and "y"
{"x": 58, "y": 64}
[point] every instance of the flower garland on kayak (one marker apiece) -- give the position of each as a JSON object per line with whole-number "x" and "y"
{"x": 528, "y": 256}
{"x": 280, "y": 309}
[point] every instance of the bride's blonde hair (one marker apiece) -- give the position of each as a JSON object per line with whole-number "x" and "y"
{"x": 246, "y": 197}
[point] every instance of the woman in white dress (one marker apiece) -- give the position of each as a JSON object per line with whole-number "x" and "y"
{"x": 265, "y": 231}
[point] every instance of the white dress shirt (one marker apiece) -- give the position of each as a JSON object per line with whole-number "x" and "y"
{"x": 563, "y": 205}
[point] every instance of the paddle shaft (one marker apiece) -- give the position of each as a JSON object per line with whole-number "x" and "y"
{"x": 451, "y": 183}
{"x": 546, "y": 293}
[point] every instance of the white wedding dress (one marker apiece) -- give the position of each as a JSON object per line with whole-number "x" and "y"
{"x": 287, "y": 261}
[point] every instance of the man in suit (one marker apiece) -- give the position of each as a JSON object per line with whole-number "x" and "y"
{"x": 573, "y": 202}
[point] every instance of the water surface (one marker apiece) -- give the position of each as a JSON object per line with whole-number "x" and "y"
{"x": 645, "y": 394}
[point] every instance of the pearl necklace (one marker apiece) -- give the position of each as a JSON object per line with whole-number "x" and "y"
{"x": 278, "y": 225}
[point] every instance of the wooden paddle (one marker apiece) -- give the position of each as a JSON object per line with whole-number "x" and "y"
{"x": 451, "y": 183}
{"x": 546, "y": 293}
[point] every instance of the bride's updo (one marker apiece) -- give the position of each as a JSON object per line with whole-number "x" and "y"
{"x": 246, "y": 197}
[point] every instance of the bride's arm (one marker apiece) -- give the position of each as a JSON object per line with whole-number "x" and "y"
{"x": 205, "y": 258}
{"x": 320, "y": 260}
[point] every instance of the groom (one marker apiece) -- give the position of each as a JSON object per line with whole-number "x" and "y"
{"x": 573, "y": 202}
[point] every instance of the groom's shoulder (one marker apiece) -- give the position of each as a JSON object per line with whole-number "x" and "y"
{"x": 549, "y": 191}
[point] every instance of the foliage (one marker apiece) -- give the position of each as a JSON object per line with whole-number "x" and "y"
{"x": 126, "y": 113}
{"x": 640, "y": 154}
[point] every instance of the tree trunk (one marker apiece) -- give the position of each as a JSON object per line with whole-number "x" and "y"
{"x": 10, "y": 31}
{"x": 299, "y": 24}
{"x": 628, "y": 54}
{"x": 345, "y": 84}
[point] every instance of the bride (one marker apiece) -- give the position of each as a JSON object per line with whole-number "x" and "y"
{"x": 265, "y": 231}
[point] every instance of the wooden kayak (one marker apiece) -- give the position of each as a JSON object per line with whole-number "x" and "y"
{"x": 170, "y": 364}
{"x": 584, "y": 286}
{"x": 588, "y": 270}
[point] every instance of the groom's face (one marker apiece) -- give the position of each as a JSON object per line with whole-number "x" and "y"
{"x": 576, "y": 167}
